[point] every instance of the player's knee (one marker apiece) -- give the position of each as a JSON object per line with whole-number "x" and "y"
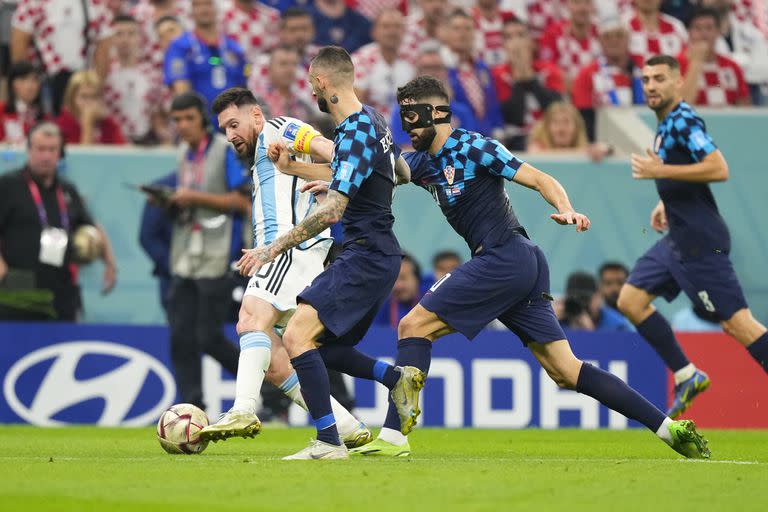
{"x": 730, "y": 328}
{"x": 561, "y": 379}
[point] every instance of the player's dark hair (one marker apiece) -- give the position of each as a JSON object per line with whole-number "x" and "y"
{"x": 192, "y": 99}
{"x": 612, "y": 265}
{"x": 704, "y": 12}
{"x": 334, "y": 58}
{"x": 668, "y": 60}
{"x": 445, "y": 255}
{"x": 124, "y": 18}
{"x": 421, "y": 88}
{"x": 165, "y": 18}
{"x": 294, "y": 12}
{"x": 238, "y": 96}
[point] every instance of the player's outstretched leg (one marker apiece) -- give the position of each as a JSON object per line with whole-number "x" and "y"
{"x": 414, "y": 350}
{"x": 569, "y": 372}
{"x": 302, "y": 330}
{"x": 635, "y": 303}
{"x": 254, "y": 325}
{"x": 353, "y": 432}
{"x": 404, "y": 382}
{"x": 241, "y": 419}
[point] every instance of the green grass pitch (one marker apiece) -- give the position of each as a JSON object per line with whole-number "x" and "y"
{"x": 85, "y": 468}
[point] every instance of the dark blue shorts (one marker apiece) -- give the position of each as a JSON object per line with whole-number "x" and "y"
{"x": 709, "y": 281}
{"x": 349, "y": 293}
{"x": 509, "y": 282}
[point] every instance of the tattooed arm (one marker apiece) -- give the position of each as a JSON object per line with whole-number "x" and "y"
{"x": 328, "y": 213}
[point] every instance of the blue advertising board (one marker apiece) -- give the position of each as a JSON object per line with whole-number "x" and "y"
{"x": 59, "y": 374}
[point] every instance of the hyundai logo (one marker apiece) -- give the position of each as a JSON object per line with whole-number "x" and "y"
{"x": 60, "y": 389}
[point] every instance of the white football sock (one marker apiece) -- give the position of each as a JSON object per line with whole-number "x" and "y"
{"x": 255, "y": 353}
{"x": 663, "y": 431}
{"x": 392, "y": 436}
{"x": 345, "y": 422}
{"x": 290, "y": 387}
{"x": 684, "y": 373}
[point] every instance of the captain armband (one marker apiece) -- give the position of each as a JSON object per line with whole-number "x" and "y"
{"x": 304, "y": 136}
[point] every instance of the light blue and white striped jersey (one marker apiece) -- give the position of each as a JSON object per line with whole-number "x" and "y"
{"x": 278, "y": 204}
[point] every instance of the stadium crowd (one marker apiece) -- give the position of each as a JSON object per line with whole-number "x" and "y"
{"x": 531, "y": 73}
{"x": 107, "y": 70}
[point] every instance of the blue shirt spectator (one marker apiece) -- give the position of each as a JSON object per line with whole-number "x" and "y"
{"x": 336, "y": 24}
{"x": 491, "y": 119}
{"x": 207, "y": 67}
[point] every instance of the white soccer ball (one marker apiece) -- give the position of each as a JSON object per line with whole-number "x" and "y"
{"x": 178, "y": 429}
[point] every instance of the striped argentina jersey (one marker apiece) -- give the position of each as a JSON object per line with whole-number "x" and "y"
{"x": 278, "y": 203}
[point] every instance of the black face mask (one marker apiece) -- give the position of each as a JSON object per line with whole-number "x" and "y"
{"x": 419, "y": 115}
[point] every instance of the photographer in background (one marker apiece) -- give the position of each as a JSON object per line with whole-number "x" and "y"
{"x": 584, "y": 309}
{"x": 42, "y": 220}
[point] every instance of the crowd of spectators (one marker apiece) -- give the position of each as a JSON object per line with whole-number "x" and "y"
{"x": 530, "y": 72}
{"x": 106, "y": 71}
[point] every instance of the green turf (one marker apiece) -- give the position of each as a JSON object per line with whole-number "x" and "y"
{"x": 125, "y": 469}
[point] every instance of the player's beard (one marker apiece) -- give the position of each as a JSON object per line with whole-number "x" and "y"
{"x": 322, "y": 103}
{"x": 423, "y": 141}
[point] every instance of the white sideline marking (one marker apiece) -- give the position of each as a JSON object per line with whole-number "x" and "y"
{"x": 253, "y": 459}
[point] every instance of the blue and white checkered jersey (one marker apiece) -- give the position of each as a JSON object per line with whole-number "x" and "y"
{"x": 695, "y": 224}
{"x": 364, "y": 170}
{"x": 278, "y": 204}
{"x": 466, "y": 178}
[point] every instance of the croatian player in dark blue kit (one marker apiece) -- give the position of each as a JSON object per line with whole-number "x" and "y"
{"x": 506, "y": 278}
{"x": 694, "y": 255}
{"x": 335, "y": 311}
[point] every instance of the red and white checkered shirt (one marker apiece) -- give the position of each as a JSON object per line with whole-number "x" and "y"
{"x": 371, "y": 8}
{"x": 545, "y": 13}
{"x": 415, "y": 34}
{"x": 133, "y": 94}
{"x": 258, "y": 81}
{"x": 560, "y": 46}
{"x": 669, "y": 40}
{"x": 144, "y": 13}
{"x": 490, "y": 36}
{"x": 599, "y": 84}
{"x": 721, "y": 83}
{"x": 378, "y": 79}
{"x": 57, "y": 30}
{"x": 255, "y": 30}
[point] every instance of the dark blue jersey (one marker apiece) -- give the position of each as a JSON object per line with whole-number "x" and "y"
{"x": 465, "y": 178}
{"x": 695, "y": 224}
{"x": 364, "y": 170}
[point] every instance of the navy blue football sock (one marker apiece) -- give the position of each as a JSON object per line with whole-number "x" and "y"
{"x": 349, "y": 360}
{"x": 658, "y": 333}
{"x": 759, "y": 350}
{"x": 410, "y": 352}
{"x": 615, "y": 394}
{"x": 313, "y": 379}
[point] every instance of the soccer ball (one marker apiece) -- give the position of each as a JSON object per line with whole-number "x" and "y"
{"x": 87, "y": 244}
{"x": 178, "y": 428}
